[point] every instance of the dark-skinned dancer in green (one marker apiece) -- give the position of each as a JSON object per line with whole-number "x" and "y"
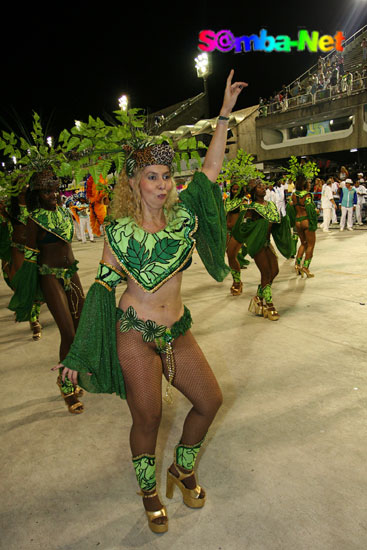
{"x": 302, "y": 213}
{"x": 150, "y": 243}
{"x": 259, "y": 221}
{"x": 49, "y": 271}
{"x": 233, "y": 206}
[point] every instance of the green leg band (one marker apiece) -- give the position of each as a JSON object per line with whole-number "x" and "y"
{"x": 35, "y": 312}
{"x": 267, "y": 294}
{"x": 298, "y": 261}
{"x": 260, "y": 291}
{"x": 306, "y": 263}
{"x": 185, "y": 455}
{"x": 236, "y": 275}
{"x": 144, "y": 466}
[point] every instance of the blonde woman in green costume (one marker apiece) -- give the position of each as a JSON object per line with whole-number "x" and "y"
{"x": 150, "y": 243}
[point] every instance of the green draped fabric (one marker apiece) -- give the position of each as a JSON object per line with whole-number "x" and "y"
{"x": 5, "y": 241}
{"x": 255, "y": 234}
{"x": 26, "y": 291}
{"x": 94, "y": 348}
{"x": 204, "y": 198}
{"x": 283, "y": 237}
{"x": 311, "y": 214}
{"x": 291, "y": 213}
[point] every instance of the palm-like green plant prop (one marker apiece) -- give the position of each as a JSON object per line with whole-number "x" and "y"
{"x": 241, "y": 169}
{"x": 307, "y": 169}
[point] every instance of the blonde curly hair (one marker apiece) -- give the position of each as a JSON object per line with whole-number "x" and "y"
{"x": 126, "y": 200}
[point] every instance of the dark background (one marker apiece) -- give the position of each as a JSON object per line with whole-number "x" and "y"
{"x": 67, "y": 61}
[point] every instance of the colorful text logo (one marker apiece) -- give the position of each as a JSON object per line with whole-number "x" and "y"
{"x": 225, "y": 41}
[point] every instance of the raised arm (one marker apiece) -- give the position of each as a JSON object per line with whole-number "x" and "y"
{"x": 215, "y": 153}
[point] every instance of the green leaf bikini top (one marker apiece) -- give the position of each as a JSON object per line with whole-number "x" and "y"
{"x": 151, "y": 259}
{"x": 58, "y": 222}
{"x": 268, "y": 210}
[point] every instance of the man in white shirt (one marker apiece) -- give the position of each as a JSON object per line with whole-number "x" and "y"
{"x": 280, "y": 197}
{"x": 327, "y": 205}
{"x": 361, "y": 194}
{"x": 270, "y": 194}
{"x": 335, "y": 191}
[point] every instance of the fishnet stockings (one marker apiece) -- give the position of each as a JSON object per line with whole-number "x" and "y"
{"x": 142, "y": 370}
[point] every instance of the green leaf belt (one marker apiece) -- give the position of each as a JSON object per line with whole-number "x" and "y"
{"x": 64, "y": 273}
{"x": 160, "y": 334}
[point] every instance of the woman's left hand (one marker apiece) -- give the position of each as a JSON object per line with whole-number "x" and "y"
{"x": 231, "y": 93}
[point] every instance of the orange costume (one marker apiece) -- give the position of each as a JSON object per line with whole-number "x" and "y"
{"x": 98, "y": 209}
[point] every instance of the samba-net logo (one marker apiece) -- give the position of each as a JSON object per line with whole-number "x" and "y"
{"x": 225, "y": 41}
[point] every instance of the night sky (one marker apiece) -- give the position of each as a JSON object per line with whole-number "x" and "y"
{"x": 67, "y": 61}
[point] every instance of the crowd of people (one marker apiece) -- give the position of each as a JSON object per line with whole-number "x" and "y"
{"x": 328, "y": 79}
{"x": 329, "y": 193}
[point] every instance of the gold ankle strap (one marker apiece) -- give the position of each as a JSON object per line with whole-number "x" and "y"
{"x": 149, "y": 495}
{"x": 183, "y": 475}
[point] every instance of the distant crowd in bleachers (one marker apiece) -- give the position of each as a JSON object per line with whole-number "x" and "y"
{"x": 327, "y": 80}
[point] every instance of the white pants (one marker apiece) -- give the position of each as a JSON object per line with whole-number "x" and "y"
{"x": 334, "y": 219}
{"x": 359, "y": 213}
{"x": 346, "y": 212}
{"x": 281, "y": 208}
{"x": 77, "y": 230}
{"x": 85, "y": 225}
{"x": 327, "y": 218}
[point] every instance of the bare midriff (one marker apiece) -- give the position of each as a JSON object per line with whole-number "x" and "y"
{"x": 164, "y": 306}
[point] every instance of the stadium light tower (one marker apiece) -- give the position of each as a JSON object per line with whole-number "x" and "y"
{"x": 203, "y": 70}
{"x": 123, "y": 102}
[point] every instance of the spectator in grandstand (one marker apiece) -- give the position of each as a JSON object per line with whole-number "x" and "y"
{"x": 361, "y": 191}
{"x": 340, "y": 63}
{"x": 358, "y": 84}
{"x": 263, "y": 108}
{"x": 348, "y": 201}
{"x": 343, "y": 175}
{"x": 364, "y": 76}
{"x": 327, "y": 205}
{"x": 364, "y": 49}
{"x": 317, "y": 190}
{"x": 314, "y": 86}
{"x": 349, "y": 82}
{"x": 334, "y": 79}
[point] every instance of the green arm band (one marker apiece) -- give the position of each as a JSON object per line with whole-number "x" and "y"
{"x": 108, "y": 276}
{"x": 31, "y": 254}
{"x": 94, "y": 348}
{"x": 204, "y": 199}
